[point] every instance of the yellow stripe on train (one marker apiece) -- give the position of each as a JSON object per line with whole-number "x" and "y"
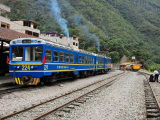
{"x": 18, "y": 81}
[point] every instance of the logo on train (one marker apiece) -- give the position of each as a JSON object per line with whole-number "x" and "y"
{"x": 45, "y": 67}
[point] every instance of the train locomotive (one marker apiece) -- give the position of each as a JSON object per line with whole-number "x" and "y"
{"x": 33, "y": 61}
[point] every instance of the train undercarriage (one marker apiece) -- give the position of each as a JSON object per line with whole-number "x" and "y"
{"x": 29, "y": 80}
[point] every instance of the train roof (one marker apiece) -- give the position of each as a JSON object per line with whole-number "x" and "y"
{"x": 50, "y": 43}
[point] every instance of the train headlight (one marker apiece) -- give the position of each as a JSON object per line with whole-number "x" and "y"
{"x": 18, "y": 67}
{"x": 32, "y": 67}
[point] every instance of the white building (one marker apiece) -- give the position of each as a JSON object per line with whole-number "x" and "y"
{"x": 71, "y": 41}
{"x": 30, "y": 28}
{"x": 4, "y": 21}
{"x": 26, "y": 27}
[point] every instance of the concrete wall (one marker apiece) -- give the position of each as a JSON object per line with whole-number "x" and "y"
{"x": 4, "y": 20}
{"x": 4, "y": 8}
{"x": 63, "y": 40}
{"x": 18, "y": 26}
{"x": 116, "y": 67}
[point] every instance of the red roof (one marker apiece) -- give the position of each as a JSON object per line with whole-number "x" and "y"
{"x": 11, "y": 34}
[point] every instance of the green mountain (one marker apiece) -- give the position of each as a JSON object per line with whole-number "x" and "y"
{"x": 122, "y": 27}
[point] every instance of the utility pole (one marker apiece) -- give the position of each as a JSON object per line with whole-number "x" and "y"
{"x": 143, "y": 59}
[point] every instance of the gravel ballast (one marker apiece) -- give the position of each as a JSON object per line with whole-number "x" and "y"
{"x": 122, "y": 100}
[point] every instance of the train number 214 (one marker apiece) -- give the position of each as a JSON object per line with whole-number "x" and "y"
{"x": 25, "y": 67}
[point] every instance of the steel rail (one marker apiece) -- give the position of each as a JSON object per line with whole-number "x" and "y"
{"x": 9, "y": 90}
{"x": 152, "y": 102}
{"x": 7, "y": 116}
{"x": 72, "y": 100}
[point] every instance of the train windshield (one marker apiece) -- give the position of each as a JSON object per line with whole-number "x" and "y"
{"x": 17, "y": 53}
{"x": 33, "y": 53}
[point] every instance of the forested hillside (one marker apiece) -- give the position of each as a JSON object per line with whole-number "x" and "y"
{"x": 122, "y": 27}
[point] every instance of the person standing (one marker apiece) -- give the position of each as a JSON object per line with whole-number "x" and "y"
{"x": 156, "y": 73}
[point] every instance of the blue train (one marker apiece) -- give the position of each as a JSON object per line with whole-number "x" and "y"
{"x": 33, "y": 61}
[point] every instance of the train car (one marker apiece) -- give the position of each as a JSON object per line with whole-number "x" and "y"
{"x": 136, "y": 67}
{"x": 33, "y": 61}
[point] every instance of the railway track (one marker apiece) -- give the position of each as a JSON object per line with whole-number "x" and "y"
{"x": 57, "y": 105}
{"x": 151, "y": 101}
{"x": 15, "y": 89}
{"x": 10, "y": 90}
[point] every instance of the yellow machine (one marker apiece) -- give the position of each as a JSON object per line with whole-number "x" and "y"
{"x": 136, "y": 66}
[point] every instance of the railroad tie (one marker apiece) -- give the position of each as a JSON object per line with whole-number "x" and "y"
{"x": 76, "y": 104}
{"x": 152, "y": 111}
{"x": 59, "y": 114}
{"x": 152, "y": 115}
{"x": 66, "y": 110}
{"x": 70, "y": 106}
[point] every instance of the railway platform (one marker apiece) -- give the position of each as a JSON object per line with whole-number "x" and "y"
{"x": 6, "y": 79}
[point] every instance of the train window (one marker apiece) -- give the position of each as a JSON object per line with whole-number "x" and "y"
{"x": 83, "y": 59}
{"x": 33, "y": 53}
{"x": 48, "y": 55}
{"x": 76, "y": 58}
{"x": 80, "y": 59}
{"x": 91, "y": 60}
{"x": 67, "y": 57}
{"x": 61, "y": 56}
{"x": 86, "y": 60}
{"x": 97, "y": 61}
{"x": 102, "y": 61}
{"x": 55, "y": 56}
{"x": 72, "y": 58}
{"x": 17, "y": 53}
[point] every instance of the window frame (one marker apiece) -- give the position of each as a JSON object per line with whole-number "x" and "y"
{"x": 66, "y": 57}
{"x": 80, "y": 58}
{"x": 72, "y": 58}
{"x": 63, "y": 56}
{"x": 91, "y": 60}
{"x": 88, "y": 60}
{"x": 54, "y": 55}
{"x": 46, "y": 55}
{"x": 76, "y": 58}
{"x": 83, "y": 59}
{"x": 23, "y": 54}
